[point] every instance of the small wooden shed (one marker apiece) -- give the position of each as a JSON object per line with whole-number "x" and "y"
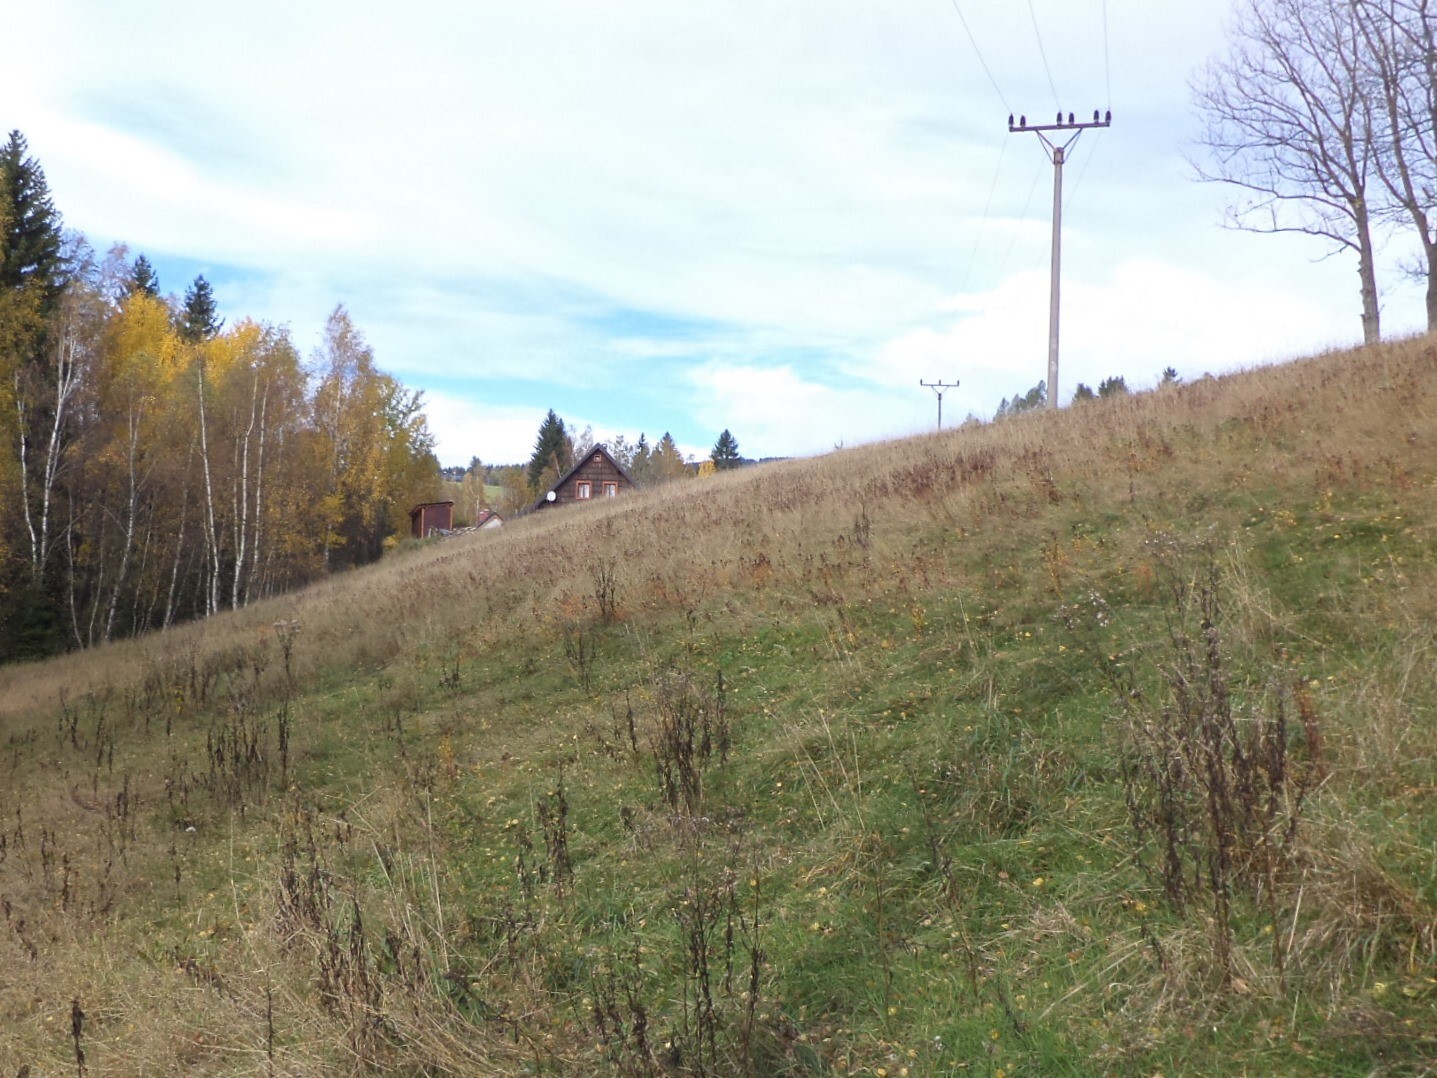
{"x": 487, "y": 518}
{"x": 597, "y": 475}
{"x": 429, "y": 517}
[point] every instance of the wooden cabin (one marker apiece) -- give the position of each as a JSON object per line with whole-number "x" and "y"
{"x": 429, "y": 517}
{"x": 597, "y": 475}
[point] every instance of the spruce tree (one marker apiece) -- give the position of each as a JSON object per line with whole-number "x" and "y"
{"x": 666, "y": 462}
{"x": 144, "y": 279}
{"x": 725, "y": 452}
{"x": 197, "y": 320}
{"x": 30, "y": 227}
{"x": 1026, "y": 402}
{"x": 553, "y": 448}
{"x": 1115, "y": 386}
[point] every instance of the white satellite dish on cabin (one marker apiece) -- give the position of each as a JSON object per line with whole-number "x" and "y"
{"x": 551, "y": 496}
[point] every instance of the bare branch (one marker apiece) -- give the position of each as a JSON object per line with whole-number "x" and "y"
{"x": 1288, "y": 118}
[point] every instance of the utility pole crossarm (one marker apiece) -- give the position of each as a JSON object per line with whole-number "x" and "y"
{"x": 1070, "y": 125}
{"x": 1057, "y": 152}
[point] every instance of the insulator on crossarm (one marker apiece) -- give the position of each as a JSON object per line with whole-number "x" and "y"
{"x": 1095, "y": 116}
{"x": 1022, "y": 121}
{"x": 1108, "y": 117}
{"x": 1010, "y": 119}
{"x": 1070, "y": 117}
{"x": 1060, "y": 117}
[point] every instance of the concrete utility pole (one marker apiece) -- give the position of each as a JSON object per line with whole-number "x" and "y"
{"x": 938, "y": 388}
{"x": 1057, "y": 152}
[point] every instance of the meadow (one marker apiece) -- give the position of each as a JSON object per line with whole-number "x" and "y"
{"x": 1099, "y": 741}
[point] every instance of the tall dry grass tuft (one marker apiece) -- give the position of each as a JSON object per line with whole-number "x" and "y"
{"x": 1219, "y": 753}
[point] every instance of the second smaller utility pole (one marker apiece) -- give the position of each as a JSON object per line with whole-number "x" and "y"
{"x": 938, "y": 388}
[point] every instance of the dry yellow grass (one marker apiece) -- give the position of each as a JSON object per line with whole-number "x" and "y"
{"x": 799, "y": 542}
{"x": 1334, "y": 419}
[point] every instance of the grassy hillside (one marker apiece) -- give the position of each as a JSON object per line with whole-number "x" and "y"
{"x": 1091, "y": 743}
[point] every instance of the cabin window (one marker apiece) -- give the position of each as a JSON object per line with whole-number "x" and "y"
{"x": 582, "y": 490}
{"x": 610, "y": 489}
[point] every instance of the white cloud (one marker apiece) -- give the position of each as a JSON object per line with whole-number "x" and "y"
{"x": 775, "y": 411}
{"x": 769, "y": 197}
{"x": 464, "y": 428}
{"x": 1145, "y": 315}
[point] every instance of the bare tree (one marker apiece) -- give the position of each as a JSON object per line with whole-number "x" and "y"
{"x": 1400, "y": 38}
{"x": 1288, "y": 119}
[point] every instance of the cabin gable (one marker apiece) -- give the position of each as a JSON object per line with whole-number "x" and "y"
{"x": 597, "y": 475}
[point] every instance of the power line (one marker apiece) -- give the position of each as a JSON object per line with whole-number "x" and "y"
{"x": 1022, "y": 216}
{"x": 1044, "y": 54}
{"x": 1107, "y": 68}
{"x": 982, "y": 224}
{"x": 1072, "y": 192}
{"x": 979, "y": 53}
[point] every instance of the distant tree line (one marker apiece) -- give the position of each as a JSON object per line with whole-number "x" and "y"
{"x": 156, "y": 466}
{"x": 557, "y": 447}
{"x": 1037, "y": 397}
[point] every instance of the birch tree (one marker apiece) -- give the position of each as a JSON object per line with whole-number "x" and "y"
{"x": 44, "y": 392}
{"x": 156, "y": 466}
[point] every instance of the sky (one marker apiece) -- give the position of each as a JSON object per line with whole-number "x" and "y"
{"x": 776, "y": 217}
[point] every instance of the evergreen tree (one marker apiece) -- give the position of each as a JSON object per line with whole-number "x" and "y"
{"x": 634, "y": 458}
{"x": 553, "y": 449}
{"x": 1033, "y": 399}
{"x": 30, "y": 228}
{"x": 1170, "y": 377}
{"x": 197, "y": 320}
{"x": 144, "y": 279}
{"x": 725, "y": 452}
{"x": 1083, "y": 393}
{"x": 666, "y": 462}
{"x": 1113, "y": 387}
